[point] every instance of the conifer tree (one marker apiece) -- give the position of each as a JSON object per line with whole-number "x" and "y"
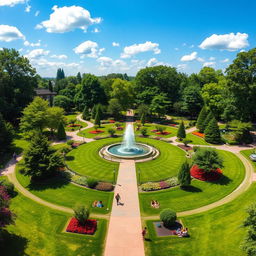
{"x": 61, "y": 134}
{"x": 181, "y": 134}
{"x": 201, "y": 119}
{"x": 86, "y": 113}
{"x": 212, "y": 132}
{"x": 209, "y": 117}
{"x": 184, "y": 175}
{"x": 143, "y": 119}
{"x": 100, "y": 111}
{"x": 79, "y": 77}
{"x": 97, "y": 120}
{"x": 94, "y": 110}
{"x": 6, "y": 135}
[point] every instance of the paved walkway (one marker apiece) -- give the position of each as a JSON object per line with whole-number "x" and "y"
{"x": 124, "y": 234}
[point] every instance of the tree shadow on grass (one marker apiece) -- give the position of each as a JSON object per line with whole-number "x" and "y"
{"x": 224, "y": 180}
{"x": 69, "y": 158}
{"x": 55, "y": 182}
{"x": 192, "y": 189}
{"x": 12, "y": 245}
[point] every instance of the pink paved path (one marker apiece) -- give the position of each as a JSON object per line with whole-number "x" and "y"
{"x": 124, "y": 234}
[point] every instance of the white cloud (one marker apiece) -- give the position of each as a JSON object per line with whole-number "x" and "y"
{"x": 96, "y": 30}
{"x": 27, "y": 43}
{"x": 66, "y": 19}
{"x": 37, "y": 13}
{"x": 209, "y": 64}
{"x": 200, "y": 59}
{"x": 154, "y": 62}
{"x": 88, "y": 49}
{"x": 11, "y": 3}
{"x": 28, "y": 7}
{"x": 225, "y": 60}
{"x": 10, "y": 33}
{"x": 181, "y": 67}
{"x": 115, "y": 44}
{"x": 134, "y": 49}
{"x": 212, "y": 58}
{"x": 60, "y": 57}
{"x": 37, "y": 54}
{"x": 107, "y": 63}
{"x": 230, "y": 42}
{"x": 190, "y": 57}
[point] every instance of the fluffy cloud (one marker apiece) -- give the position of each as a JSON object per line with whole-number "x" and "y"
{"x": 209, "y": 64}
{"x": 115, "y": 44}
{"x": 37, "y": 13}
{"x": 28, "y": 7}
{"x": 88, "y": 49}
{"x": 225, "y": 60}
{"x": 212, "y": 58}
{"x": 107, "y": 63}
{"x": 190, "y": 57}
{"x": 154, "y": 62}
{"x": 181, "y": 67}
{"x": 134, "y": 49}
{"x": 60, "y": 57}
{"x": 230, "y": 42}
{"x": 66, "y": 19}
{"x": 10, "y": 33}
{"x": 11, "y": 3}
{"x": 27, "y": 43}
{"x": 37, "y": 54}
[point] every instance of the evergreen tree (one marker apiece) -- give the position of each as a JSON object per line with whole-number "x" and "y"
{"x": 79, "y": 77}
{"x": 212, "y": 132}
{"x": 184, "y": 175}
{"x": 143, "y": 119}
{"x": 94, "y": 110}
{"x": 114, "y": 108}
{"x": 61, "y": 134}
{"x": 100, "y": 111}
{"x": 50, "y": 87}
{"x": 86, "y": 113}
{"x": 97, "y": 120}
{"x": 6, "y": 135}
{"x": 209, "y": 117}
{"x": 181, "y": 134}
{"x": 40, "y": 160}
{"x": 201, "y": 119}
{"x": 60, "y": 74}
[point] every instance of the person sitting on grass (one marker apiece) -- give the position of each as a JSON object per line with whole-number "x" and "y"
{"x": 155, "y": 204}
{"x": 99, "y": 204}
{"x": 95, "y": 204}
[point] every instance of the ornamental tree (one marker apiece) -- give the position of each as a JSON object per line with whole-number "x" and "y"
{"x": 86, "y": 113}
{"x": 40, "y": 160}
{"x": 97, "y": 120}
{"x": 114, "y": 108}
{"x": 201, "y": 119}
{"x": 207, "y": 159}
{"x": 81, "y": 214}
{"x": 184, "y": 175}
{"x": 143, "y": 119}
{"x": 61, "y": 134}
{"x": 181, "y": 134}
{"x": 168, "y": 217}
{"x": 212, "y": 132}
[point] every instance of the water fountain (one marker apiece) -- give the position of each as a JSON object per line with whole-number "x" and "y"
{"x": 128, "y": 149}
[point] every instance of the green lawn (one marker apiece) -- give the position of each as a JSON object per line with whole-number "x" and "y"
{"x": 202, "y": 193}
{"x": 70, "y": 117}
{"x": 247, "y": 154}
{"x": 86, "y": 160}
{"x": 165, "y": 166}
{"x": 150, "y": 127}
{"x": 196, "y": 140}
{"x": 104, "y": 127}
{"x": 216, "y": 232}
{"x": 66, "y": 194}
{"x": 38, "y": 230}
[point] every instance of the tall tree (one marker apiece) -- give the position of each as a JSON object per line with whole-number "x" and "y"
{"x": 61, "y": 134}
{"x": 54, "y": 116}
{"x": 181, "y": 134}
{"x": 212, "y": 132}
{"x": 97, "y": 120}
{"x": 114, "y": 108}
{"x": 6, "y": 135}
{"x": 17, "y": 83}
{"x": 86, "y": 114}
{"x": 184, "y": 175}
{"x": 201, "y": 119}
{"x": 159, "y": 104}
{"x": 79, "y": 77}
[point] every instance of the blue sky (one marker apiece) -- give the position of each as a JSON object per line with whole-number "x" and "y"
{"x": 123, "y": 36}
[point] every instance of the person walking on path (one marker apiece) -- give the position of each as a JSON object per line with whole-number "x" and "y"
{"x": 118, "y": 197}
{"x": 144, "y": 232}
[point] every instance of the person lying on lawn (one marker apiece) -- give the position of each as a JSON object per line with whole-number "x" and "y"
{"x": 155, "y": 204}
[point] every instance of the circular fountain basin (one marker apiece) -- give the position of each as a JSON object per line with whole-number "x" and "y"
{"x": 138, "y": 151}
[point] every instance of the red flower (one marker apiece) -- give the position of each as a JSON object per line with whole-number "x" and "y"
{"x": 162, "y": 133}
{"x": 89, "y": 228}
{"x": 200, "y": 174}
{"x": 96, "y": 131}
{"x": 199, "y": 134}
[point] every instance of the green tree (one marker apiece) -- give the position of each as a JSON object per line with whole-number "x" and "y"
{"x": 201, "y": 119}
{"x": 60, "y": 74}
{"x": 181, "y": 134}
{"x": 79, "y": 77}
{"x": 209, "y": 75}
{"x": 114, "y": 108}
{"x": 54, "y": 116}
{"x": 61, "y": 134}
{"x": 168, "y": 217}
{"x": 40, "y": 160}
{"x": 159, "y": 105}
{"x": 97, "y": 120}
{"x": 143, "y": 119}
{"x": 111, "y": 132}
{"x": 208, "y": 119}
{"x": 6, "y": 135}
{"x": 17, "y": 84}
{"x": 62, "y": 102}
{"x": 34, "y": 116}
{"x": 249, "y": 243}
{"x": 86, "y": 114}
{"x": 184, "y": 175}
{"x": 94, "y": 111}
{"x": 81, "y": 214}
{"x": 212, "y": 132}
{"x": 207, "y": 159}
{"x": 143, "y": 109}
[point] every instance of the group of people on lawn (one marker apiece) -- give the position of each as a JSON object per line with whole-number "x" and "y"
{"x": 155, "y": 204}
{"x": 98, "y": 204}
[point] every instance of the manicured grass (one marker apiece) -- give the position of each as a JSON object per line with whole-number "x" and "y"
{"x": 150, "y": 127}
{"x": 165, "y": 166}
{"x": 201, "y": 193}
{"x": 247, "y": 154}
{"x": 38, "y": 230}
{"x": 66, "y": 194}
{"x": 196, "y": 140}
{"x": 86, "y": 160}
{"x": 70, "y": 117}
{"x": 216, "y": 232}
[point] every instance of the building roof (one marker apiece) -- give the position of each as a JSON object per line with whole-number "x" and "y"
{"x": 41, "y": 92}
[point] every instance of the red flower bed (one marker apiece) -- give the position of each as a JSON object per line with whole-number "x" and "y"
{"x": 162, "y": 133}
{"x": 96, "y": 132}
{"x": 74, "y": 125}
{"x": 163, "y": 184}
{"x": 200, "y": 174}
{"x": 111, "y": 121}
{"x": 154, "y": 130}
{"x": 199, "y": 134}
{"x": 119, "y": 128}
{"x": 174, "y": 125}
{"x": 89, "y": 228}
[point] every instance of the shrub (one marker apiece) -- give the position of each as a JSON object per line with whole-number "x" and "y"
{"x": 212, "y": 132}
{"x": 81, "y": 214}
{"x": 92, "y": 183}
{"x": 61, "y": 134}
{"x": 186, "y": 141}
{"x": 81, "y": 180}
{"x": 65, "y": 149}
{"x": 201, "y": 119}
{"x": 144, "y": 131}
{"x": 184, "y": 175}
{"x": 9, "y": 187}
{"x": 150, "y": 186}
{"x": 111, "y": 132}
{"x": 104, "y": 186}
{"x": 172, "y": 182}
{"x": 168, "y": 217}
{"x": 70, "y": 142}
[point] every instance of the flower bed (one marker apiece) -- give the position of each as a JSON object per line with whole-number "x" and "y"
{"x": 199, "y": 134}
{"x": 163, "y": 133}
{"x": 154, "y": 130}
{"x": 152, "y": 186}
{"x": 111, "y": 121}
{"x": 96, "y": 131}
{"x": 200, "y": 174}
{"x": 119, "y": 128}
{"x": 89, "y": 228}
{"x": 173, "y": 125}
{"x": 186, "y": 148}
{"x": 74, "y": 125}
